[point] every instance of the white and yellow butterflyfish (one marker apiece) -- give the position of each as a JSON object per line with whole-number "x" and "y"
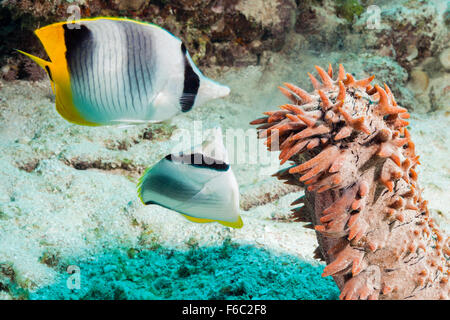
{"x": 199, "y": 184}
{"x": 106, "y": 71}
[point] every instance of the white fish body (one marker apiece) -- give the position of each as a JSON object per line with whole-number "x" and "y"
{"x": 199, "y": 184}
{"x": 112, "y": 70}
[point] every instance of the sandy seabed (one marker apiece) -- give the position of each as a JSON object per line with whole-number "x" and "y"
{"x": 68, "y": 197}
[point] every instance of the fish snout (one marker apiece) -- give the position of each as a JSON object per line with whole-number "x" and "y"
{"x": 210, "y": 90}
{"x": 222, "y": 91}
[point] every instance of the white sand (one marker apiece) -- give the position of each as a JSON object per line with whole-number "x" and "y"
{"x": 56, "y": 210}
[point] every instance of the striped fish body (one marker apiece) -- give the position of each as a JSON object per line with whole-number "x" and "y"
{"x": 106, "y": 71}
{"x": 119, "y": 70}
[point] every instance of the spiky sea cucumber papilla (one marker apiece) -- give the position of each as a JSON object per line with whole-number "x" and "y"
{"x": 354, "y": 155}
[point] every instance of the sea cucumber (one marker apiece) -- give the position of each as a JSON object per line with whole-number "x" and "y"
{"x": 352, "y": 152}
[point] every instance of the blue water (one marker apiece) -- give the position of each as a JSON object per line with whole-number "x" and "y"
{"x": 225, "y": 272}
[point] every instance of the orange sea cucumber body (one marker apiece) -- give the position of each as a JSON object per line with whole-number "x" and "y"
{"x": 353, "y": 154}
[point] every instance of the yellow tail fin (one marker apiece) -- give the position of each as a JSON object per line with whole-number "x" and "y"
{"x": 41, "y": 62}
{"x": 44, "y": 64}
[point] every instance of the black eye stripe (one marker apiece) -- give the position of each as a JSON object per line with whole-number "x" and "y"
{"x": 191, "y": 83}
{"x": 198, "y": 160}
{"x": 74, "y": 38}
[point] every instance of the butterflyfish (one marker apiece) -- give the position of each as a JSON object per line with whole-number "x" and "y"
{"x": 105, "y": 71}
{"x": 199, "y": 184}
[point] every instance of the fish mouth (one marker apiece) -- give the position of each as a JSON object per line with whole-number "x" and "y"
{"x": 210, "y": 90}
{"x": 223, "y": 91}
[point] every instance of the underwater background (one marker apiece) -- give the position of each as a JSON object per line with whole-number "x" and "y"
{"x": 68, "y": 193}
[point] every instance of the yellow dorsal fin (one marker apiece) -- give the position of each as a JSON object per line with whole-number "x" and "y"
{"x": 237, "y": 224}
{"x": 41, "y": 62}
{"x": 52, "y": 38}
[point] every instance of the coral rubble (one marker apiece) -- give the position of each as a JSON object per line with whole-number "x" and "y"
{"x": 353, "y": 153}
{"x": 223, "y": 34}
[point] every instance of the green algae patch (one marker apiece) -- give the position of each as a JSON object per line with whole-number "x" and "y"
{"x": 348, "y": 9}
{"x": 222, "y": 272}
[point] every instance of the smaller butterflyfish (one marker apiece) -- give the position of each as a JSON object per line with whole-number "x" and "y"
{"x": 199, "y": 184}
{"x": 105, "y": 71}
